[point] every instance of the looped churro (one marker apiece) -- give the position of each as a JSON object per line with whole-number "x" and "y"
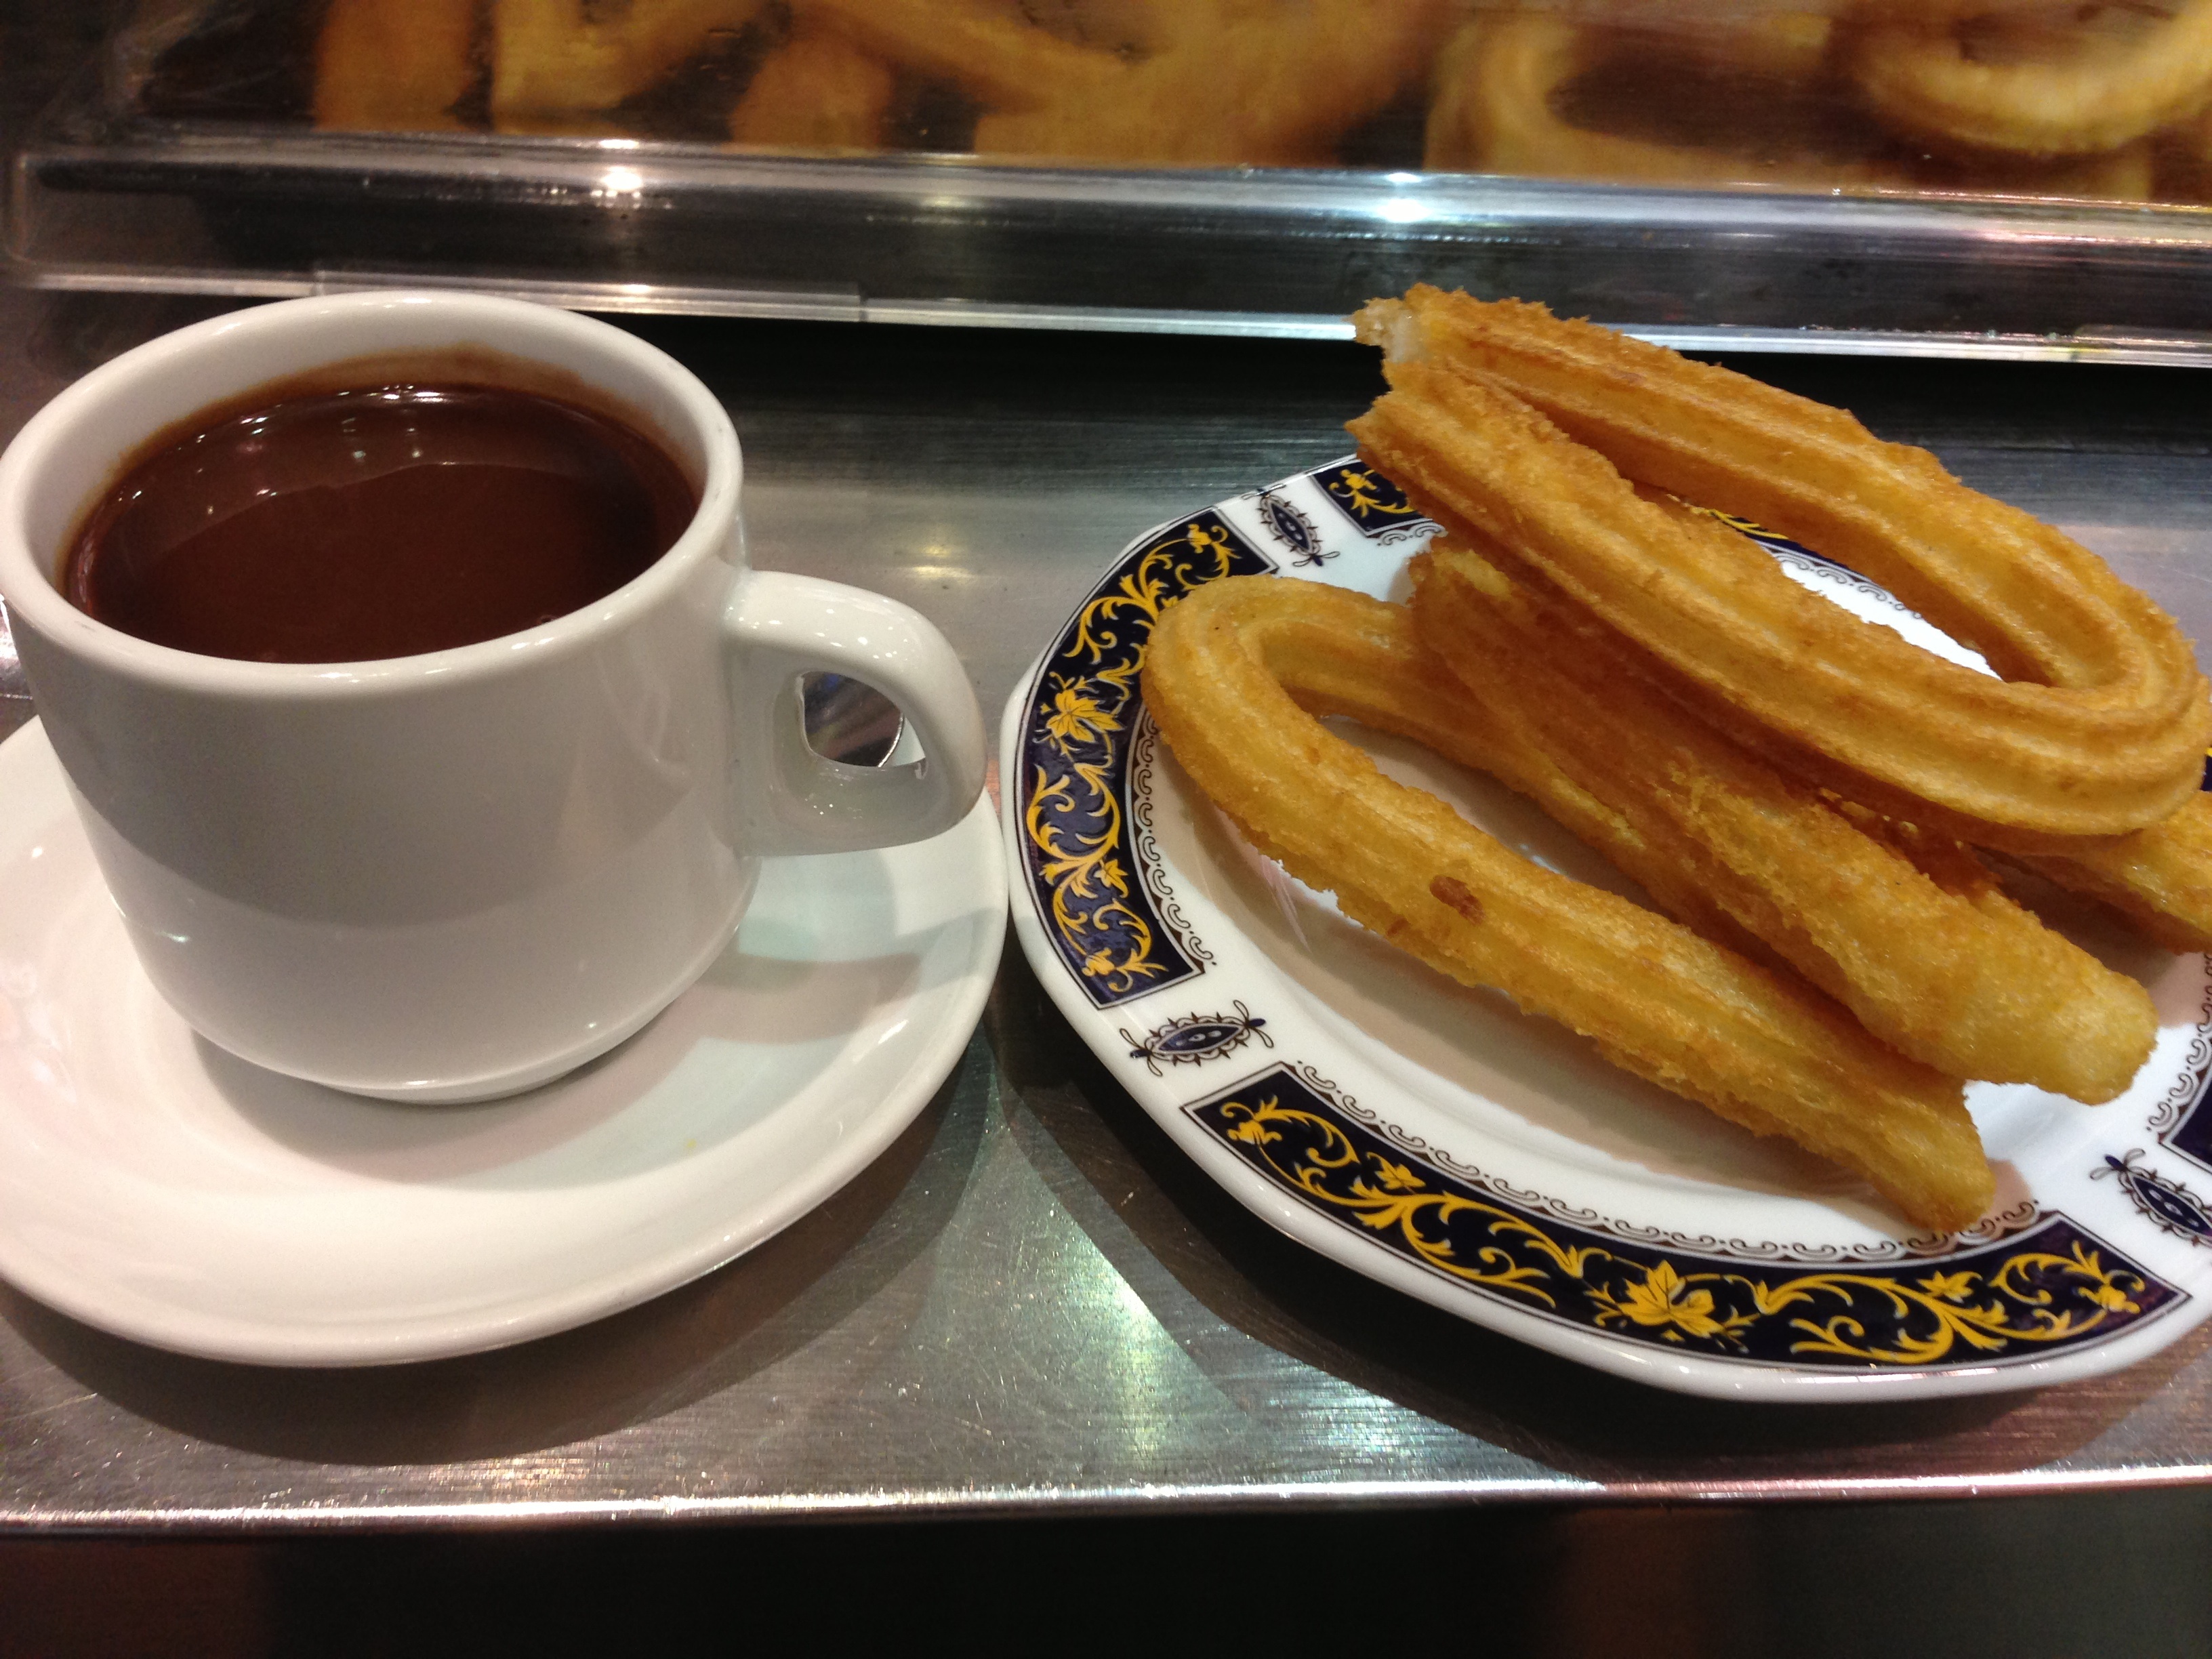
{"x": 1657, "y": 999}
{"x": 2111, "y": 740}
{"x": 1491, "y": 109}
{"x": 2084, "y": 94}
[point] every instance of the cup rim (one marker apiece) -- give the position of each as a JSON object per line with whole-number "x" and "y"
{"x": 33, "y": 599}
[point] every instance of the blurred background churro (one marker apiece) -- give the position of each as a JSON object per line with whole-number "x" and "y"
{"x": 2096, "y": 101}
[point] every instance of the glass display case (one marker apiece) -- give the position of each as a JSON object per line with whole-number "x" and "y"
{"x": 1988, "y": 179}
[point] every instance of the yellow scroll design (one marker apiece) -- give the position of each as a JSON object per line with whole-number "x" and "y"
{"x": 1883, "y": 1320}
{"x": 1074, "y": 820}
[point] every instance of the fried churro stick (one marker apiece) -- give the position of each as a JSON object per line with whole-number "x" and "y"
{"x": 549, "y": 56}
{"x": 1384, "y": 676}
{"x": 1658, "y": 1000}
{"x": 818, "y": 91}
{"x": 1379, "y": 673}
{"x": 2089, "y": 94}
{"x": 394, "y": 65}
{"x": 1950, "y": 971}
{"x": 2112, "y": 741}
{"x": 1278, "y": 86}
{"x": 2161, "y": 878}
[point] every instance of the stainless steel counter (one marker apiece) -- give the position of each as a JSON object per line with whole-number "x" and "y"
{"x": 1033, "y": 1302}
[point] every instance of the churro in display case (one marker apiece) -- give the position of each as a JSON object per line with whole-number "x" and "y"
{"x": 2102, "y": 101}
{"x": 1973, "y": 171}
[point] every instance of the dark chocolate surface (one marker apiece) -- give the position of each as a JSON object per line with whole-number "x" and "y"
{"x": 383, "y": 522}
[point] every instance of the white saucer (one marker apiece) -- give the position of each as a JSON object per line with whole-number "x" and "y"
{"x": 156, "y": 1188}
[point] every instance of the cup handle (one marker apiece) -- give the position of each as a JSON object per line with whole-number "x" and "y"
{"x": 778, "y": 627}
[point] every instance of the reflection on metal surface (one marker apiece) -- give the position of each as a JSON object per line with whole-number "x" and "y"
{"x": 14, "y": 689}
{"x": 848, "y": 721}
{"x": 2148, "y": 347}
{"x": 813, "y": 303}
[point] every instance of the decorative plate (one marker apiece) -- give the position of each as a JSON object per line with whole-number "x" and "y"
{"x": 1439, "y": 1141}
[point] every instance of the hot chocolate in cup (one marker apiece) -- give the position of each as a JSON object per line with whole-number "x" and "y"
{"x": 457, "y": 873}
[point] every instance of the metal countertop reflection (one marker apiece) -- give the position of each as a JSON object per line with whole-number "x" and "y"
{"x": 1032, "y": 1300}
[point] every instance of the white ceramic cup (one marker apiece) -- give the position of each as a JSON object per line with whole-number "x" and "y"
{"x": 452, "y": 876}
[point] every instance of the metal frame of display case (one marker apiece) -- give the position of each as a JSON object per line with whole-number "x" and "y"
{"x": 100, "y": 199}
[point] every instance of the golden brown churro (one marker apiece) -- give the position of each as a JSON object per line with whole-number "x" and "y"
{"x": 1273, "y": 84}
{"x": 1510, "y": 425}
{"x": 819, "y": 90}
{"x": 2160, "y": 877}
{"x": 394, "y": 65}
{"x": 2080, "y": 93}
{"x": 2004, "y": 96}
{"x": 1657, "y": 999}
{"x": 1950, "y": 971}
{"x": 990, "y": 52}
{"x": 551, "y": 57}
{"x": 1496, "y": 86}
